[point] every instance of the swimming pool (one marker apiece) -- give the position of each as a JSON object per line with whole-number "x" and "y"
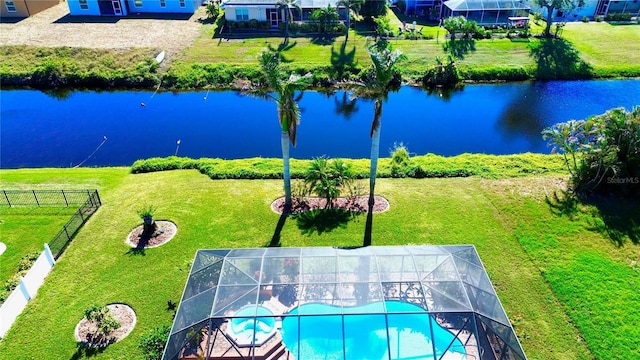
{"x": 253, "y": 326}
{"x": 406, "y": 331}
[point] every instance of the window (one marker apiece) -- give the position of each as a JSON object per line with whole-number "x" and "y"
{"x": 182, "y": 3}
{"x": 242, "y": 14}
{"x": 84, "y": 5}
{"x": 138, "y": 3}
{"x": 11, "y": 6}
{"x": 163, "y": 3}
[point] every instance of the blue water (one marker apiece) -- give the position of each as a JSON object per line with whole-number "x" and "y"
{"x": 255, "y": 322}
{"x": 406, "y": 332}
{"x": 39, "y": 130}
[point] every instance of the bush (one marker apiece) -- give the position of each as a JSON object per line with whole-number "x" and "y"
{"x": 618, "y": 17}
{"x": 253, "y": 24}
{"x": 444, "y": 74}
{"x": 104, "y": 321}
{"x": 23, "y": 267}
{"x": 491, "y": 166}
{"x": 585, "y": 19}
{"x": 400, "y": 161}
{"x": 328, "y": 179}
{"x": 602, "y": 153}
{"x": 152, "y": 343}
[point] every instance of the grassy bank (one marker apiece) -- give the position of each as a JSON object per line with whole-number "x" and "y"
{"x": 536, "y": 257}
{"x": 78, "y": 67}
{"x": 587, "y": 50}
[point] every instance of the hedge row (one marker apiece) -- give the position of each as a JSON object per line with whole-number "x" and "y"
{"x": 424, "y": 166}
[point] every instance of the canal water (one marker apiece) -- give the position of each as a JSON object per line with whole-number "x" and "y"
{"x": 69, "y": 129}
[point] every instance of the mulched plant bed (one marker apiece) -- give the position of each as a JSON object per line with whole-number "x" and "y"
{"x": 164, "y": 231}
{"x": 355, "y": 203}
{"x": 87, "y": 332}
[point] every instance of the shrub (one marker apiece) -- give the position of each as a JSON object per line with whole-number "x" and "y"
{"x": 602, "y": 153}
{"x": 328, "y": 179}
{"x": 618, "y": 17}
{"x": 152, "y": 343}
{"x": 400, "y": 160}
{"x": 104, "y": 321}
{"x": 253, "y": 24}
{"x": 443, "y": 74}
{"x": 585, "y": 19}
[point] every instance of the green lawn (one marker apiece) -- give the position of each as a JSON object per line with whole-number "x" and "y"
{"x": 25, "y": 230}
{"x": 567, "y": 286}
{"x": 606, "y": 45}
{"x": 608, "y": 49}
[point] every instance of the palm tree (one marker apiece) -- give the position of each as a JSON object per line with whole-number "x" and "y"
{"x": 287, "y": 6}
{"x": 350, "y": 5}
{"x": 288, "y": 109}
{"x": 325, "y": 17}
{"x": 384, "y": 60}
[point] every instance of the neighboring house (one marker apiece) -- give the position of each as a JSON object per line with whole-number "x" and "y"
{"x": 588, "y": 10}
{"x": 428, "y": 8}
{"x": 24, "y": 8}
{"x": 125, "y": 7}
{"x": 592, "y": 8}
{"x": 606, "y": 7}
{"x": 267, "y": 10}
{"x": 486, "y": 12}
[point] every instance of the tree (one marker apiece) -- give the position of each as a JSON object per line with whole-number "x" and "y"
{"x": 373, "y": 8}
{"x": 553, "y": 5}
{"x": 384, "y": 59}
{"x": 350, "y": 5}
{"x": 288, "y": 109}
{"x": 328, "y": 179}
{"x": 325, "y": 17}
{"x": 287, "y": 6}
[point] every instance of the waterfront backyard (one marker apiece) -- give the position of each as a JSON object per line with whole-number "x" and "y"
{"x": 567, "y": 276}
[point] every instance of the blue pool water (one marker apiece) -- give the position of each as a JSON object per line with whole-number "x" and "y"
{"x": 411, "y": 331}
{"x": 252, "y": 326}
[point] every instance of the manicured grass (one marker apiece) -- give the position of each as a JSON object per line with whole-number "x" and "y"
{"x": 606, "y": 46}
{"x": 25, "y": 230}
{"x": 586, "y": 255}
{"x": 608, "y": 50}
{"x": 531, "y": 254}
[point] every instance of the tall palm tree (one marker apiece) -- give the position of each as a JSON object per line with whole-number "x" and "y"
{"x": 288, "y": 109}
{"x": 287, "y": 6}
{"x": 384, "y": 60}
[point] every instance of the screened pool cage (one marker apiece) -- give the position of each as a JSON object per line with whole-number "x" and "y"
{"x": 376, "y": 302}
{"x": 486, "y": 12}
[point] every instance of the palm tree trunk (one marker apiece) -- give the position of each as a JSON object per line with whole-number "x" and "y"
{"x": 284, "y": 142}
{"x": 375, "y": 152}
{"x": 348, "y": 24}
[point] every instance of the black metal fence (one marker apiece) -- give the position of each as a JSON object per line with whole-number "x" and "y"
{"x": 87, "y": 200}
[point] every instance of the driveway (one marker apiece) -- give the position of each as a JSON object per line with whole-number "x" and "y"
{"x": 54, "y": 27}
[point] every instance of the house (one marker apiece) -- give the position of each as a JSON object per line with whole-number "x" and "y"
{"x": 24, "y": 8}
{"x": 592, "y": 8}
{"x": 125, "y": 7}
{"x": 486, "y": 12}
{"x": 429, "y": 8}
{"x": 267, "y": 10}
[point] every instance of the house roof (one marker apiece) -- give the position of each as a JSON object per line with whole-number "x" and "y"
{"x": 305, "y": 4}
{"x": 471, "y": 5}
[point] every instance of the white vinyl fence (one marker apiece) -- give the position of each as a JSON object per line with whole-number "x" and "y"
{"x": 27, "y": 289}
